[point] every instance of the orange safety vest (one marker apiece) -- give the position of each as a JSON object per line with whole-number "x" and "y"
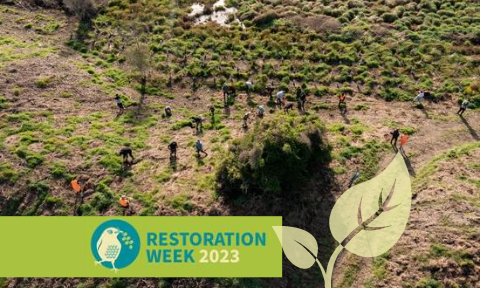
{"x": 403, "y": 140}
{"x": 123, "y": 202}
{"x": 75, "y": 186}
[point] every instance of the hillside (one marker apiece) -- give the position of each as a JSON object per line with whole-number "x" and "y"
{"x": 58, "y": 120}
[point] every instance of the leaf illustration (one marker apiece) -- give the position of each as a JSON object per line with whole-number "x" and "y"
{"x": 299, "y": 246}
{"x": 368, "y": 219}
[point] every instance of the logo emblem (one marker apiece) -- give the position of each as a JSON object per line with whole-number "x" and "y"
{"x": 115, "y": 244}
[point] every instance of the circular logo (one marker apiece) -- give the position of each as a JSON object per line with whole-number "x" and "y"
{"x": 115, "y": 244}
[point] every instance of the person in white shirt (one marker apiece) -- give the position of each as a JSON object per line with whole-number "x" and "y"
{"x": 249, "y": 88}
{"x": 419, "y": 97}
{"x": 120, "y": 106}
{"x": 463, "y": 107}
{"x": 280, "y": 98}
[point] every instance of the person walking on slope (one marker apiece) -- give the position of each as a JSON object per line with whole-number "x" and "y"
{"x": 269, "y": 91}
{"x": 211, "y": 108}
{"x": 302, "y": 97}
{"x": 172, "y": 147}
{"x": 246, "y": 117}
{"x": 198, "y": 122}
{"x": 260, "y": 111}
{"x": 168, "y": 111}
{"x": 249, "y": 88}
{"x": 354, "y": 178}
{"x": 125, "y": 203}
{"x": 280, "y": 96}
{"x": 419, "y": 98}
{"x": 395, "y": 134}
{"x": 403, "y": 142}
{"x": 120, "y": 106}
{"x": 199, "y": 148}
{"x": 125, "y": 153}
{"x": 299, "y": 93}
{"x": 342, "y": 104}
{"x": 463, "y": 107}
{"x": 227, "y": 91}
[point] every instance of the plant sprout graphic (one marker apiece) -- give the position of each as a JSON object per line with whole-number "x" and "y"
{"x": 362, "y": 221}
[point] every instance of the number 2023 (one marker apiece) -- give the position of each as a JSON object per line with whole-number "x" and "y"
{"x": 222, "y": 256}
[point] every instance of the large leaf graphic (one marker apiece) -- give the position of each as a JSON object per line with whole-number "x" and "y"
{"x": 368, "y": 219}
{"x": 299, "y": 246}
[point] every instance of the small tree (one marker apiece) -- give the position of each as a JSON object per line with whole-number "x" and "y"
{"x": 84, "y": 9}
{"x": 276, "y": 156}
{"x": 140, "y": 60}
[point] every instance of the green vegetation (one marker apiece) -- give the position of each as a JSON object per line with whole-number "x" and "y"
{"x": 428, "y": 283}
{"x": 43, "y": 82}
{"x": 386, "y": 49}
{"x": 7, "y": 174}
{"x": 274, "y": 156}
{"x": 180, "y": 202}
{"x": 353, "y": 267}
{"x": 429, "y": 169}
{"x": 462, "y": 257}
{"x": 352, "y": 40}
{"x": 3, "y": 102}
{"x": 379, "y": 269}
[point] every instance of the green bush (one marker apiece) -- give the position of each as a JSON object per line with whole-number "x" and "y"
{"x": 427, "y": 283}
{"x": 59, "y": 171}
{"x": 389, "y": 17}
{"x": 275, "y": 156}
{"x": 7, "y": 174}
{"x": 265, "y": 18}
{"x": 408, "y": 130}
{"x": 43, "y": 82}
{"x": 41, "y": 190}
{"x": 103, "y": 198}
{"x": 34, "y": 160}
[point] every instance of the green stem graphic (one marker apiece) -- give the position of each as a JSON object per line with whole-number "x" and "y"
{"x": 331, "y": 263}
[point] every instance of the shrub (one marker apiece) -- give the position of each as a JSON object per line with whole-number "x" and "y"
{"x": 7, "y": 174}
{"x": 33, "y": 160}
{"x": 103, "y": 197}
{"x": 408, "y": 130}
{"x": 389, "y": 17}
{"x": 428, "y": 283}
{"x": 43, "y": 82}
{"x": 59, "y": 171}
{"x": 3, "y": 102}
{"x": 274, "y": 156}
{"x": 17, "y": 91}
{"x": 41, "y": 190}
{"x": 265, "y": 18}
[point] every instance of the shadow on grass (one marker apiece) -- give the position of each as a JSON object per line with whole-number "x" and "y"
{"x": 305, "y": 208}
{"x": 470, "y": 128}
{"x": 410, "y": 168}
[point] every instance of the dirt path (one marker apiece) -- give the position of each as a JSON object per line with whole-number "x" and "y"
{"x": 438, "y": 130}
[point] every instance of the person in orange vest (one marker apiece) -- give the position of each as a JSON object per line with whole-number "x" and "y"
{"x": 78, "y": 194}
{"x": 124, "y": 202}
{"x": 76, "y": 186}
{"x": 403, "y": 142}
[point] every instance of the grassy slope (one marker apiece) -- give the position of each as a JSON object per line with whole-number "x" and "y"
{"x": 58, "y": 118}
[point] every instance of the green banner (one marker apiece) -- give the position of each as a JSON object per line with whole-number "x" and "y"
{"x": 140, "y": 247}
